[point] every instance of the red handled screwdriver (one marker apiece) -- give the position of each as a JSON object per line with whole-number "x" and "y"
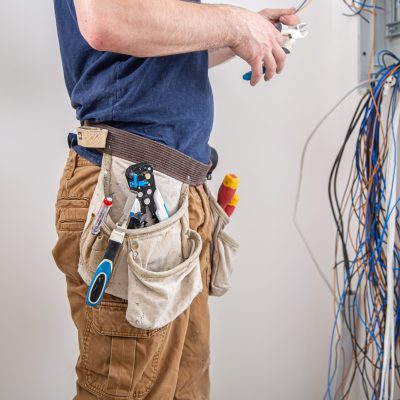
{"x": 231, "y": 207}
{"x": 227, "y": 190}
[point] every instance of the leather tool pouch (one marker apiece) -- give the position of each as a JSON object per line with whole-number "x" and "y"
{"x": 157, "y": 269}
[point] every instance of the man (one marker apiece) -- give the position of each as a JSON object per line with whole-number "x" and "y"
{"x": 141, "y": 66}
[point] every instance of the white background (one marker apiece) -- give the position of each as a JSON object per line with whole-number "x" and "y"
{"x": 271, "y": 333}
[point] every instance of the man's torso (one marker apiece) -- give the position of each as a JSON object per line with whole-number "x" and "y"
{"x": 167, "y": 99}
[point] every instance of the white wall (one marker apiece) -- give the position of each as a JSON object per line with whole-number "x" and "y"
{"x": 270, "y": 336}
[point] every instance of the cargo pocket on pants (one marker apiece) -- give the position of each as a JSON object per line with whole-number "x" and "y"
{"x": 223, "y": 250}
{"x": 119, "y": 360}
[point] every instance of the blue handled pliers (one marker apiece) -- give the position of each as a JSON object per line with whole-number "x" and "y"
{"x": 293, "y": 33}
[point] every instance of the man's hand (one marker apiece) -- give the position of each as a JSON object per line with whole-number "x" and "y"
{"x": 152, "y": 28}
{"x": 273, "y": 16}
{"x": 286, "y": 15}
{"x": 261, "y": 43}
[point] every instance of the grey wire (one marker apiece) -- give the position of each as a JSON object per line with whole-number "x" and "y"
{"x": 300, "y": 182}
{"x": 301, "y": 6}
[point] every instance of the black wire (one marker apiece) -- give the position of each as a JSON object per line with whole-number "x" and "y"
{"x": 363, "y": 361}
{"x": 348, "y": 315}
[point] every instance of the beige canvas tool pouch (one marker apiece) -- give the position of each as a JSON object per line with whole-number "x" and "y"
{"x": 223, "y": 250}
{"x": 157, "y": 269}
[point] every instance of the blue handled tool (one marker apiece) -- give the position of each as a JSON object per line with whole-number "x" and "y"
{"x": 293, "y": 33}
{"x": 101, "y": 277}
{"x": 248, "y": 75}
{"x": 104, "y": 270}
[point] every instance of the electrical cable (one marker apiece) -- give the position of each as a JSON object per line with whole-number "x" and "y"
{"x": 303, "y": 5}
{"x": 364, "y": 307}
{"x": 366, "y": 291}
{"x": 300, "y": 182}
{"x": 368, "y": 311}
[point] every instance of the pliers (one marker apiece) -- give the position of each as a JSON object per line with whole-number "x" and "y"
{"x": 293, "y": 33}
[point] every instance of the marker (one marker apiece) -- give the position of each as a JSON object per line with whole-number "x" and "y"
{"x": 101, "y": 215}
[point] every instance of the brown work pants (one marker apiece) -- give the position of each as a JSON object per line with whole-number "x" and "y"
{"x": 117, "y": 360}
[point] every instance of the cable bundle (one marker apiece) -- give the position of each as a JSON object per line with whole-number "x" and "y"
{"x": 367, "y": 262}
{"x": 361, "y": 8}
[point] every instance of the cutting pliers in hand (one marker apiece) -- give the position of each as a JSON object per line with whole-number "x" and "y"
{"x": 293, "y": 33}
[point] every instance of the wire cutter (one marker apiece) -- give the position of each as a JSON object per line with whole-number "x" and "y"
{"x": 293, "y": 33}
{"x": 141, "y": 181}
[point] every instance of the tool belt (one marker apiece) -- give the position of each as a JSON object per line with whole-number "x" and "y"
{"x": 135, "y": 148}
{"x": 157, "y": 269}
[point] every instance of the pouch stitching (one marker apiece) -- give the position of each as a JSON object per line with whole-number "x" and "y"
{"x": 219, "y": 235}
{"x": 192, "y": 264}
{"x": 214, "y": 206}
{"x": 160, "y": 227}
{"x": 223, "y": 236}
{"x": 154, "y": 275}
{"x": 116, "y": 264}
{"x": 156, "y": 229}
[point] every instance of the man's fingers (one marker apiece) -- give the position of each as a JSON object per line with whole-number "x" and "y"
{"x": 275, "y": 14}
{"x": 256, "y": 72}
{"x": 280, "y": 38}
{"x": 280, "y": 59}
{"x": 290, "y": 20}
{"x": 270, "y": 65}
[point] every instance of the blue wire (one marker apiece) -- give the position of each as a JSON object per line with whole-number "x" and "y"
{"x": 372, "y": 231}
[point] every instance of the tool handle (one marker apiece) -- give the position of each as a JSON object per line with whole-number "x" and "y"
{"x": 228, "y": 189}
{"x": 102, "y": 275}
{"x": 231, "y": 206}
{"x": 248, "y": 75}
{"x": 161, "y": 208}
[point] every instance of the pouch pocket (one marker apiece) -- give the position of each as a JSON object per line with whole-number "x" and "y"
{"x": 223, "y": 250}
{"x": 157, "y": 269}
{"x": 157, "y": 295}
{"x": 119, "y": 360}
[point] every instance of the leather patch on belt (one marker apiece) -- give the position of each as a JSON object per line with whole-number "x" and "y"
{"x": 92, "y": 137}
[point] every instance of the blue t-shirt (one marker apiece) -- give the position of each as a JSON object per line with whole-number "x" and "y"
{"x": 167, "y": 99}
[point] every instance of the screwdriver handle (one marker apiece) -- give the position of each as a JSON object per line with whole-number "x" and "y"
{"x": 102, "y": 276}
{"x": 228, "y": 189}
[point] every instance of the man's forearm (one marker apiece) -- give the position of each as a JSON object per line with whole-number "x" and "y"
{"x": 149, "y": 28}
{"x": 219, "y": 56}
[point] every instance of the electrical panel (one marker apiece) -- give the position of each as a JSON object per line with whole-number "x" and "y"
{"x": 387, "y": 33}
